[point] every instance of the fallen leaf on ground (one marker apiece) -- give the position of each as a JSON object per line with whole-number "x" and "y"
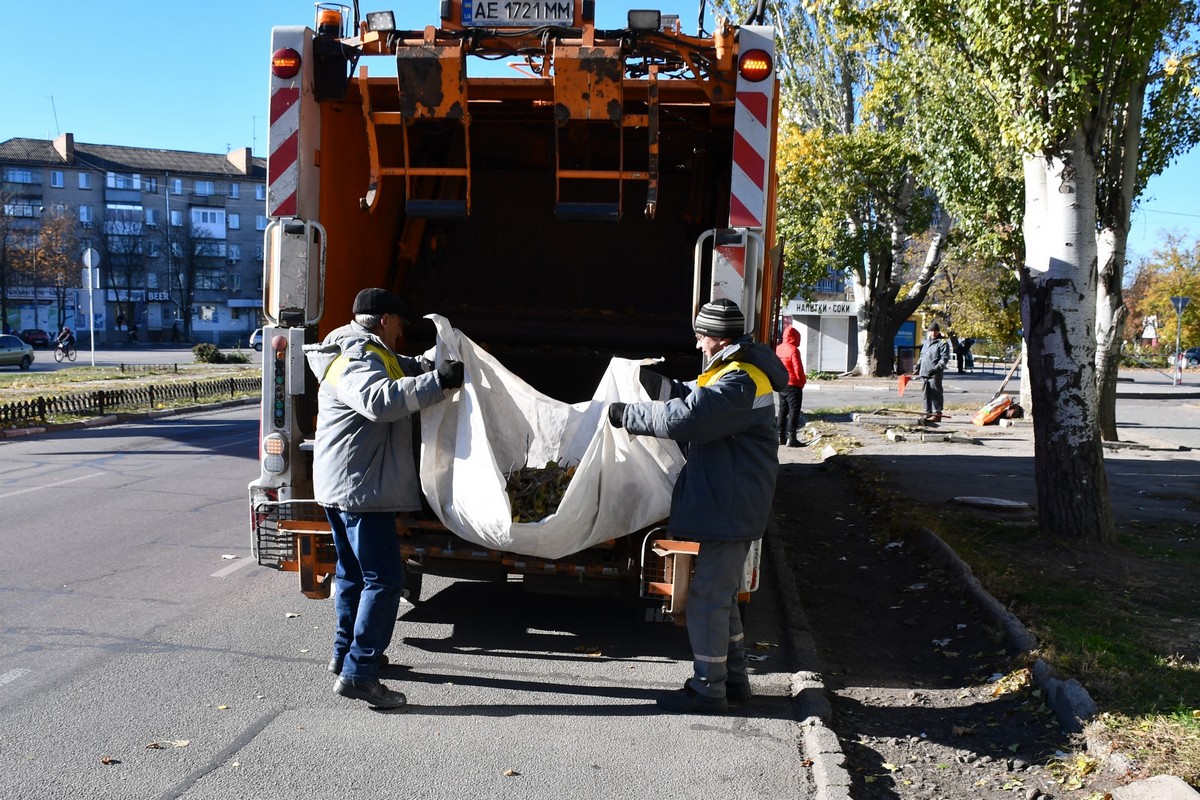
{"x": 109, "y": 760}
{"x": 511, "y": 773}
{"x": 228, "y": 556}
{"x": 962, "y": 730}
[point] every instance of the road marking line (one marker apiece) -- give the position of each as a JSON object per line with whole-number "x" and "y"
{"x": 51, "y": 485}
{"x": 11, "y": 675}
{"x": 234, "y": 567}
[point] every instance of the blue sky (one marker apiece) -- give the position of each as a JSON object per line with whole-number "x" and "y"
{"x": 192, "y": 75}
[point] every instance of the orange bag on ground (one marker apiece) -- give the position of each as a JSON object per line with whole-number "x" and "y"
{"x": 993, "y": 410}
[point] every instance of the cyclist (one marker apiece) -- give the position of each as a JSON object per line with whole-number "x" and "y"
{"x": 66, "y": 338}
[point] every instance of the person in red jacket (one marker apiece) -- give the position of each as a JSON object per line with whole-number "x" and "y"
{"x": 791, "y": 397}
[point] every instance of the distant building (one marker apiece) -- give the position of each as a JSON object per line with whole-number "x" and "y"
{"x": 179, "y": 234}
{"x": 828, "y": 325}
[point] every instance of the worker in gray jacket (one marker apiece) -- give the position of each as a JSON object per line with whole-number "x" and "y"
{"x": 935, "y": 355}
{"x": 364, "y": 473}
{"x": 725, "y": 421}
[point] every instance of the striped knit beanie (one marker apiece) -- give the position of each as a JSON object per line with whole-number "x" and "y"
{"x": 720, "y": 319}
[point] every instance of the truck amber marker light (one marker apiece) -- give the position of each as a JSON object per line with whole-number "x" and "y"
{"x": 329, "y": 20}
{"x": 285, "y": 63}
{"x": 755, "y": 65}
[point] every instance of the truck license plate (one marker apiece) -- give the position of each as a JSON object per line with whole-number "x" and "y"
{"x": 517, "y": 13}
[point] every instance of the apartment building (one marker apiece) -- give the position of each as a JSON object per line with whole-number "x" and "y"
{"x": 178, "y": 237}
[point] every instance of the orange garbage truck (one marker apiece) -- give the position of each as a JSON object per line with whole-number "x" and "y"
{"x": 577, "y": 199}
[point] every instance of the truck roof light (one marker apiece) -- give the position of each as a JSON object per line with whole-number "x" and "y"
{"x": 329, "y": 20}
{"x": 755, "y": 65}
{"x": 285, "y": 63}
{"x": 644, "y": 20}
{"x": 381, "y": 21}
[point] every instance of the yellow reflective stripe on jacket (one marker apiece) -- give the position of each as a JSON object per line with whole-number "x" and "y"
{"x": 762, "y": 385}
{"x": 338, "y": 365}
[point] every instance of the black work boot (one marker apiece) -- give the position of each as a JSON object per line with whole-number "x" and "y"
{"x": 782, "y": 436}
{"x": 688, "y": 701}
{"x": 793, "y": 441}
{"x": 372, "y": 692}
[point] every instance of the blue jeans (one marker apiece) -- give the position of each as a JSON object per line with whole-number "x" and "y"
{"x": 368, "y": 583}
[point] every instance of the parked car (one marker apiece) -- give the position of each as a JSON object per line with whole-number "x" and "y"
{"x": 256, "y": 340}
{"x": 1192, "y": 356}
{"x": 36, "y": 337}
{"x": 14, "y": 352}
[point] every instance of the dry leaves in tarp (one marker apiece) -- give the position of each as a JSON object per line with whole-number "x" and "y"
{"x": 535, "y": 492}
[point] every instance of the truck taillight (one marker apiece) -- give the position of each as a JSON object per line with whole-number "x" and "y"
{"x": 274, "y": 449}
{"x": 755, "y": 65}
{"x": 285, "y": 63}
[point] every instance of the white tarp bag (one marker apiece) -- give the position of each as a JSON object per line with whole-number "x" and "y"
{"x": 497, "y": 424}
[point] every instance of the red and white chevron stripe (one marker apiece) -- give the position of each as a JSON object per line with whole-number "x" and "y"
{"x": 752, "y": 132}
{"x": 283, "y": 138}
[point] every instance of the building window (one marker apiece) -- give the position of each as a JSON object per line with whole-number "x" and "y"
{"x": 19, "y": 210}
{"x": 235, "y": 283}
{"x": 85, "y": 180}
{"x": 176, "y": 218}
{"x": 235, "y": 221}
{"x": 258, "y": 254}
{"x": 176, "y": 185}
{"x": 119, "y": 180}
{"x": 260, "y": 223}
{"x": 209, "y": 222}
{"x": 15, "y": 175}
{"x": 85, "y": 213}
{"x": 150, "y": 185}
{"x": 210, "y": 279}
{"x": 123, "y": 219}
{"x": 203, "y": 188}
{"x": 235, "y": 190}
{"x": 260, "y": 191}
{"x": 152, "y": 217}
{"x": 235, "y": 253}
{"x": 56, "y": 178}
{"x": 152, "y": 248}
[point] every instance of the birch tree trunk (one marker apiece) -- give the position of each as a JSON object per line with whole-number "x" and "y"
{"x": 1110, "y": 325}
{"x": 1058, "y": 309}
{"x": 1124, "y": 147}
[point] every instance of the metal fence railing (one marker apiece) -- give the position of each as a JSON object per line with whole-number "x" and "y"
{"x": 114, "y": 401}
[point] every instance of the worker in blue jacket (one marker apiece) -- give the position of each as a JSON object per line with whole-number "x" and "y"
{"x": 725, "y": 422}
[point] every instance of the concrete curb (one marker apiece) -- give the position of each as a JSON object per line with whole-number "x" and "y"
{"x": 114, "y": 419}
{"x": 830, "y": 776}
{"x": 1069, "y": 701}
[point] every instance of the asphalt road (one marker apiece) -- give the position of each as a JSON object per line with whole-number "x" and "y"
{"x": 135, "y": 629}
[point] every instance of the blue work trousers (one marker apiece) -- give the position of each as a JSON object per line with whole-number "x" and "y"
{"x": 713, "y": 621}
{"x": 368, "y": 584}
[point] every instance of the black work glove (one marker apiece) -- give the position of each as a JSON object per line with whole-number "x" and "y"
{"x": 450, "y": 375}
{"x": 616, "y": 414}
{"x": 652, "y": 382}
